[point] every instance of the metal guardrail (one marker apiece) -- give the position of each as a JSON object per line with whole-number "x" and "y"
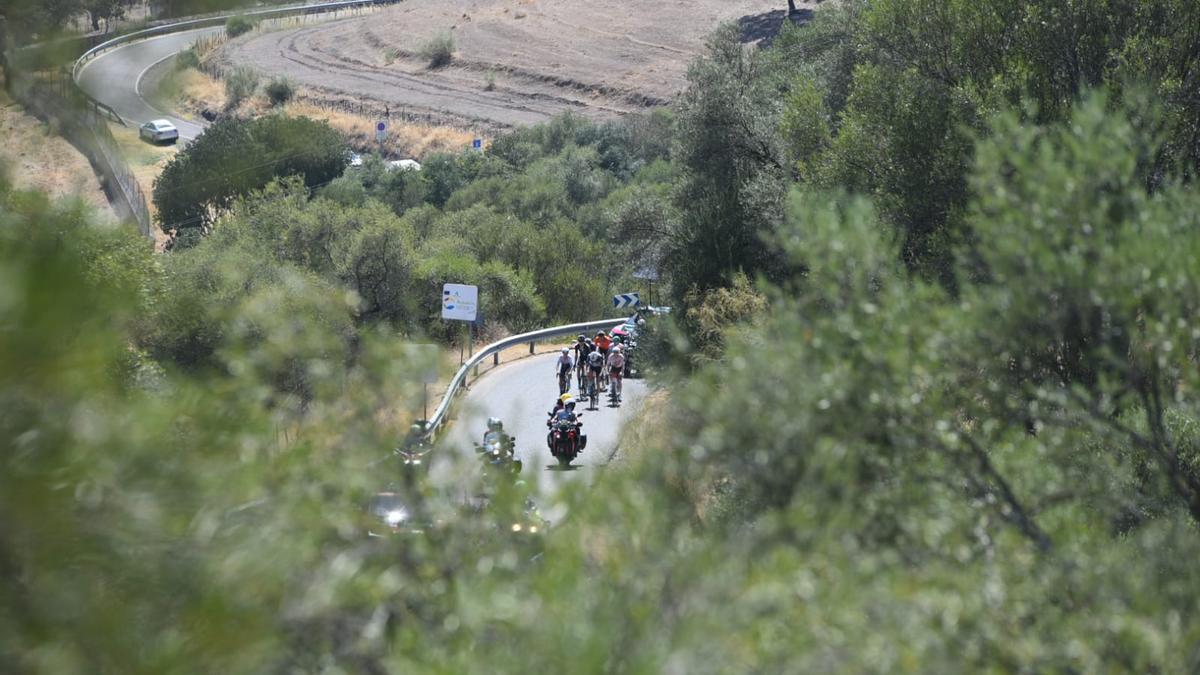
{"x": 494, "y": 349}
{"x": 212, "y": 21}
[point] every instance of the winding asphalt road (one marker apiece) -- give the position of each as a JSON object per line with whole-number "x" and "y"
{"x": 521, "y": 394}
{"x": 114, "y": 78}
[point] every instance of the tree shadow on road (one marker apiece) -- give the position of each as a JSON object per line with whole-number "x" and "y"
{"x": 762, "y": 28}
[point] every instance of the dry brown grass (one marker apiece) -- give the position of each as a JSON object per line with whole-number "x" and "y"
{"x": 404, "y": 139}
{"x": 198, "y": 91}
{"x": 34, "y": 157}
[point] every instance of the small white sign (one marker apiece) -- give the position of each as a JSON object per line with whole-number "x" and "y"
{"x": 460, "y": 302}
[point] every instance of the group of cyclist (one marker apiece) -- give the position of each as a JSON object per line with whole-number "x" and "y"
{"x": 593, "y": 358}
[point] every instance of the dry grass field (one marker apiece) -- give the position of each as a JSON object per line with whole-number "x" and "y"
{"x": 514, "y": 61}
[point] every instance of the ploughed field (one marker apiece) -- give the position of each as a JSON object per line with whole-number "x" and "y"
{"x": 515, "y": 62}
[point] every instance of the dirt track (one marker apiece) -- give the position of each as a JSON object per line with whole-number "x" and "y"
{"x": 600, "y": 58}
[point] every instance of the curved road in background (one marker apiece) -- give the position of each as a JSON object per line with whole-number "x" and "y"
{"x": 113, "y": 78}
{"x": 521, "y": 394}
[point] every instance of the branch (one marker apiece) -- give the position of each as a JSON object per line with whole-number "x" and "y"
{"x": 1020, "y": 516}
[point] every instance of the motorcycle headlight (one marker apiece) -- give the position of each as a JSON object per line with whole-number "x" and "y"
{"x": 395, "y": 517}
{"x": 516, "y": 527}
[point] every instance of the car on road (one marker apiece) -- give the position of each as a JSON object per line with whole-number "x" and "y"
{"x": 157, "y": 131}
{"x": 404, "y": 165}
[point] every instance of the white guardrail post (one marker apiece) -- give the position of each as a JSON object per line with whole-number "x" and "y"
{"x": 460, "y": 378}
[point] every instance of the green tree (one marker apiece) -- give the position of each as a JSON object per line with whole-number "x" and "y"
{"x": 733, "y": 180}
{"x": 233, "y": 158}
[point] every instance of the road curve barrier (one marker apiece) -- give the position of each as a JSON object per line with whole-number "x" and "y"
{"x": 460, "y": 378}
{"x": 211, "y": 21}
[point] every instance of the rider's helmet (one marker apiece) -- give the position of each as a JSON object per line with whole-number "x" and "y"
{"x": 617, "y": 348}
{"x": 600, "y": 333}
{"x": 494, "y": 424}
{"x": 616, "y": 339}
{"x": 566, "y": 351}
{"x": 416, "y": 429}
{"x": 581, "y": 337}
{"x": 565, "y": 398}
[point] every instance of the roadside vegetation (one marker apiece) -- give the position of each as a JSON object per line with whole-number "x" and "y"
{"x": 439, "y": 50}
{"x": 238, "y": 25}
{"x": 934, "y": 399}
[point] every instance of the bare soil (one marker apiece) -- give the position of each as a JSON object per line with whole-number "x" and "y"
{"x": 35, "y": 158}
{"x": 515, "y": 62}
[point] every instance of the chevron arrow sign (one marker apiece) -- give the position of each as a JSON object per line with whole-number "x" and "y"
{"x": 626, "y": 300}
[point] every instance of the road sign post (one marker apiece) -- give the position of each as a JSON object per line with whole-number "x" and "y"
{"x": 426, "y": 358}
{"x": 380, "y": 135}
{"x": 649, "y": 275}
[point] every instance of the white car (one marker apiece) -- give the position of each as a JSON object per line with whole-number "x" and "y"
{"x": 157, "y": 131}
{"x": 404, "y": 165}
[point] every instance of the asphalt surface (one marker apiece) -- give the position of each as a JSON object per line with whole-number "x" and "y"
{"x": 521, "y": 394}
{"x": 114, "y": 78}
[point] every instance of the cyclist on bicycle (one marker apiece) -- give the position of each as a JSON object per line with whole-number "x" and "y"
{"x": 581, "y": 348}
{"x": 595, "y": 364}
{"x": 616, "y": 367}
{"x": 562, "y": 370}
{"x": 603, "y": 343}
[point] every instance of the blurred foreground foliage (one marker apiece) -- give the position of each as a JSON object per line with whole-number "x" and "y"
{"x": 873, "y": 476}
{"x": 935, "y": 408}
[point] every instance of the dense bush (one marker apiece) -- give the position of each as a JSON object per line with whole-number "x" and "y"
{"x": 187, "y": 58}
{"x": 280, "y": 90}
{"x": 240, "y": 84}
{"x": 238, "y": 25}
{"x": 439, "y": 51}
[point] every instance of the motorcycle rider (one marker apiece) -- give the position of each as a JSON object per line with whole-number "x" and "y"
{"x": 563, "y": 417}
{"x": 616, "y": 368}
{"x": 558, "y": 405}
{"x": 562, "y": 370}
{"x": 495, "y": 430}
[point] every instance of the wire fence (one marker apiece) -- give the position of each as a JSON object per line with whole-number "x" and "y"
{"x": 53, "y": 97}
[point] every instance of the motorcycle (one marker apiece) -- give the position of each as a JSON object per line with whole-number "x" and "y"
{"x": 565, "y": 440}
{"x": 499, "y": 456}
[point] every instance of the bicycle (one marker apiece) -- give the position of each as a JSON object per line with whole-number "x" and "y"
{"x": 564, "y": 382}
{"x": 593, "y": 392}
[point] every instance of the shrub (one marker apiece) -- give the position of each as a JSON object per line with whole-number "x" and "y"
{"x": 238, "y": 25}
{"x": 187, "y": 58}
{"x": 240, "y": 85}
{"x": 439, "y": 50}
{"x": 280, "y": 90}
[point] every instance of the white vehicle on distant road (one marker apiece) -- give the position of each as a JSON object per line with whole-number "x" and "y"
{"x": 157, "y": 131}
{"x": 404, "y": 165}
